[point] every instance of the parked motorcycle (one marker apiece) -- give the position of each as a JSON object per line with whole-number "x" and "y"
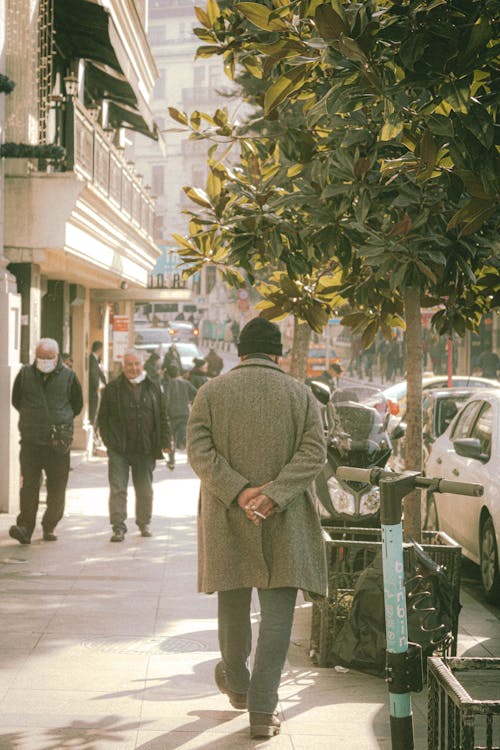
{"x": 355, "y": 421}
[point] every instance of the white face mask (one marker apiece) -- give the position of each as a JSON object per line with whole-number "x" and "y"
{"x": 139, "y": 378}
{"x": 46, "y": 365}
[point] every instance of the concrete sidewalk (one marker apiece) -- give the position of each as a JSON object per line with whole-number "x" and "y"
{"x": 109, "y": 645}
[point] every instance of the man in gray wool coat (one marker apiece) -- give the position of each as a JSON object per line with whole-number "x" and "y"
{"x": 256, "y": 441}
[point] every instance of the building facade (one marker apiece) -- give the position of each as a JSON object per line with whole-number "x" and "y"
{"x": 78, "y": 217}
{"x": 186, "y": 84}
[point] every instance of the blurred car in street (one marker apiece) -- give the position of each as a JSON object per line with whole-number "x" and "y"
{"x": 183, "y": 330}
{"x": 439, "y": 406}
{"x": 469, "y": 451}
{"x": 396, "y": 394}
{"x": 152, "y": 340}
{"x": 316, "y": 361}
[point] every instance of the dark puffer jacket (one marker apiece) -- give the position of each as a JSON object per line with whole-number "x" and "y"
{"x": 113, "y": 421}
{"x": 45, "y": 400}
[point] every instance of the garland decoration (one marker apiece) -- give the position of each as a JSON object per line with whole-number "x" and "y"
{"x": 30, "y": 151}
{"x": 6, "y": 84}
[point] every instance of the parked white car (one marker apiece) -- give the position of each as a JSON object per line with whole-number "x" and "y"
{"x": 469, "y": 451}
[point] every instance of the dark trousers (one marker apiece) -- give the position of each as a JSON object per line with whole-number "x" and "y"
{"x": 119, "y": 467}
{"x": 235, "y": 641}
{"x": 34, "y": 459}
{"x": 179, "y": 429}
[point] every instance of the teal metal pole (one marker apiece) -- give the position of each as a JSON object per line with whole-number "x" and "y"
{"x": 396, "y": 627}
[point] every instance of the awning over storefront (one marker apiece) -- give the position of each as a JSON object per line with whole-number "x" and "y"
{"x": 85, "y": 30}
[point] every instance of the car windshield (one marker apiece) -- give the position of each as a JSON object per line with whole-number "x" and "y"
{"x": 187, "y": 350}
{"x": 152, "y": 336}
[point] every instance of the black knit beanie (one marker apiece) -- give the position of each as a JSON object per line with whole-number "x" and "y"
{"x": 259, "y": 335}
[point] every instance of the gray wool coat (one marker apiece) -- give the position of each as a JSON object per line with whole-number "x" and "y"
{"x": 253, "y": 425}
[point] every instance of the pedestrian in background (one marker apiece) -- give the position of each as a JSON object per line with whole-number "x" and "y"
{"x": 198, "y": 373}
{"x": 67, "y": 360}
{"x": 97, "y": 381}
{"x": 172, "y": 357}
{"x": 179, "y": 395}
{"x": 48, "y": 396}
{"x": 255, "y": 439}
{"x": 152, "y": 367}
{"x": 215, "y": 363}
{"x": 135, "y": 429}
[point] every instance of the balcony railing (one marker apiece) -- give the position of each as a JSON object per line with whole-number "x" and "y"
{"x": 102, "y": 164}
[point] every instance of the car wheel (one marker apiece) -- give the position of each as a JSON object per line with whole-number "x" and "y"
{"x": 490, "y": 575}
{"x": 431, "y": 522}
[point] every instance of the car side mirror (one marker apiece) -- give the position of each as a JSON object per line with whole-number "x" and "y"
{"x": 470, "y": 448}
{"x": 321, "y": 391}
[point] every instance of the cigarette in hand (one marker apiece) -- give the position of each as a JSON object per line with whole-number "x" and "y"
{"x": 260, "y": 515}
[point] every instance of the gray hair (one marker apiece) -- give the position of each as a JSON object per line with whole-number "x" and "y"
{"x": 134, "y": 353}
{"x": 48, "y": 344}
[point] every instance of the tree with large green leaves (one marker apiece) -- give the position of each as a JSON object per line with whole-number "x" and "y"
{"x": 371, "y": 163}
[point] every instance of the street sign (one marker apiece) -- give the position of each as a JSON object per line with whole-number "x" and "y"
{"x": 120, "y": 336}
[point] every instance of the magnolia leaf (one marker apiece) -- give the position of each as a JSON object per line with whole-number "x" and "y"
{"x": 285, "y": 85}
{"x": 351, "y": 49}
{"x": 214, "y": 186}
{"x": 202, "y": 17}
{"x": 178, "y": 116}
{"x": 369, "y": 333}
{"x": 391, "y": 130}
{"x": 329, "y": 23}
{"x": 426, "y": 271}
{"x": 207, "y": 50}
{"x": 295, "y": 170}
{"x": 213, "y": 11}
{"x": 428, "y": 150}
{"x": 473, "y": 184}
{"x": 195, "y": 120}
{"x": 251, "y": 63}
{"x": 183, "y": 242}
{"x": 260, "y": 16}
{"x": 198, "y": 196}
{"x": 316, "y": 316}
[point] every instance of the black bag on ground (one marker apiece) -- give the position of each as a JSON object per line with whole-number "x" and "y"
{"x": 432, "y": 610}
{"x": 61, "y": 437}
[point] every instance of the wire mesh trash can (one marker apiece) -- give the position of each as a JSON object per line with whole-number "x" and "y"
{"x": 463, "y": 703}
{"x": 349, "y": 551}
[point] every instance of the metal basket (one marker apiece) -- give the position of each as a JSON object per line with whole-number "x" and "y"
{"x": 349, "y": 551}
{"x": 456, "y": 719}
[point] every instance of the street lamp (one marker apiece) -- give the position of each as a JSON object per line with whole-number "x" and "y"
{"x": 71, "y": 85}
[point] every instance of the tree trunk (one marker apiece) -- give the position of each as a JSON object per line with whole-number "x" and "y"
{"x": 300, "y": 349}
{"x": 414, "y": 370}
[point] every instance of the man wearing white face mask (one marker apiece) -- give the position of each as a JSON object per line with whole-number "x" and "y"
{"x": 48, "y": 396}
{"x": 134, "y": 427}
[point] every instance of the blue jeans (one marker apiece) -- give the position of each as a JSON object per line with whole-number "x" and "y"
{"x": 119, "y": 467}
{"x": 235, "y": 641}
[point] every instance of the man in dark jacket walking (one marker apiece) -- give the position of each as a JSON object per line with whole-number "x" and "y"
{"x": 134, "y": 427}
{"x": 48, "y": 396}
{"x": 179, "y": 394}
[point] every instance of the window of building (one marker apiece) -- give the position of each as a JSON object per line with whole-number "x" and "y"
{"x": 160, "y": 89}
{"x": 158, "y": 180}
{"x": 199, "y": 75}
{"x": 157, "y": 35}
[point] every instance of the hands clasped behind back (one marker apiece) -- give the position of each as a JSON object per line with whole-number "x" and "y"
{"x": 256, "y": 506}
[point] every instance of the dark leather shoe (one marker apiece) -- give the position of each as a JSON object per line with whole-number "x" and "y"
{"x": 49, "y": 536}
{"x": 118, "y": 535}
{"x": 145, "y": 531}
{"x": 20, "y": 534}
{"x": 237, "y": 700}
{"x": 263, "y": 725}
